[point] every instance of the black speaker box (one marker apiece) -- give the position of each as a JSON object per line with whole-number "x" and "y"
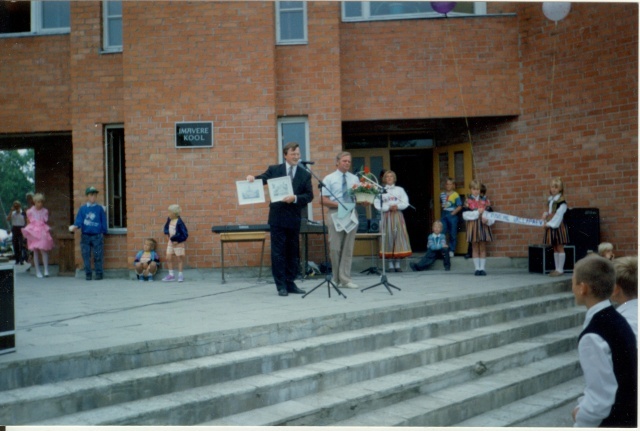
{"x": 583, "y": 225}
{"x": 7, "y": 316}
{"x": 374, "y": 225}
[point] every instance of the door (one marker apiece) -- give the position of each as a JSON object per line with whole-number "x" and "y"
{"x": 415, "y": 176}
{"x": 453, "y": 161}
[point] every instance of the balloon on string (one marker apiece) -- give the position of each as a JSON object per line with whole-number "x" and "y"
{"x": 443, "y": 7}
{"x": 556, "y": 11}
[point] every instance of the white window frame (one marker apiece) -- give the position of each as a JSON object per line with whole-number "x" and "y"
{"x": 305, "y": 147}
{"x": 37, "y": 28}
{"x": 108, "y": 192}
{"x": 279, "y": 40}
{"x": 480, "y": 8}
{"x": 106, "y": 18}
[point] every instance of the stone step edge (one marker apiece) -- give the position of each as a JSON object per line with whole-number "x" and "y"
{"x": 109, "y": 383}
{"x": 24, "y": 373}
{"x": 529, "y": 407}
{"x": 251, "y": 393}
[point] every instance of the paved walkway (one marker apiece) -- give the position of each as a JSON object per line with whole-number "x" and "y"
{"x": 60, "y": 315}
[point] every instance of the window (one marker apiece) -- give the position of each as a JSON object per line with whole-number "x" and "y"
{"x": 36, "y": 17}
{"x": 381, "y": 10}
{"x": 295, "y": 129}
{"x": 116, "y": 181}
{"x": 112, "y": 26}
{"x": 291, "y": 22}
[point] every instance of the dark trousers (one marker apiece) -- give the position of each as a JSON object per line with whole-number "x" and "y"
{"x": 450, "y": 228}
{"x": 285, "y": 255}
{"x": 18, "y": 243}
{"x": 431, "y": 256}
{"x": 92, "y": 244}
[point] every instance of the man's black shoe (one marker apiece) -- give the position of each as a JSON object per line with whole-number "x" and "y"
{"x": 282, "y": 292}
{"x": 295, "y": 289}
{"x": 413, "y": 266}
{"x": 88, "y": 277}
{"x": 98, "y": 276}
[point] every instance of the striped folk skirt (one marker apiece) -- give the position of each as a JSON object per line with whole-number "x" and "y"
{"x": 396, "y": 238}
{"x": 478, "y": 231}
{"x": 556, "y": 236}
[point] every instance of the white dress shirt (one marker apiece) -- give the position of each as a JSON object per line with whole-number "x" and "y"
{"x": 555, "y": 221}
{"x": 333, "y": 183}
{"x": 629, "y": 311}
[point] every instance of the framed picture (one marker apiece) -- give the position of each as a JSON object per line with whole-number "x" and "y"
{"x": 250, "y": 193}
{"x": 279, "y": 188}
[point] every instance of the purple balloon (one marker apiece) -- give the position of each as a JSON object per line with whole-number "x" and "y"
{"x": 443, "y": 7}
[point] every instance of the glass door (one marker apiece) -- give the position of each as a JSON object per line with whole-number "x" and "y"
{"x": 453, "y": 161}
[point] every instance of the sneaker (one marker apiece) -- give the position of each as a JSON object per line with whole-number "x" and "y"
{"x": 39, "y": 275}
{"x": 141, "y": 278}
{"x": 451, "y": 254}
{"x": 555, "y": 274}
{"x": 169, "y": 277}
{"x": 350, "y": 285}
{"x": 98, "y": 276}
{"x": 180, "y": 278}
{"x": 88, "y": 277}
{"x": 447, "y": 269}
{"x": 150, "y": 279}
{"x": 413, "y": 266}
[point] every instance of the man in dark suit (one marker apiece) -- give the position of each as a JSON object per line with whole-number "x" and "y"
{"x": 285, "y": 217}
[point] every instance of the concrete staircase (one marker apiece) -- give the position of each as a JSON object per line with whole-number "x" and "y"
{"x": 501, "y": 359}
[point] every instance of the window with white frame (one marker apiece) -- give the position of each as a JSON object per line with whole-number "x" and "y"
{"x": 381, "y": 10}
{"x": 34, "y": 17}
{"x": 295, "y": 129}
{"x": 112, "y": 26}
{"x": 116, "y": 180}
{"x": 291, "y": 22}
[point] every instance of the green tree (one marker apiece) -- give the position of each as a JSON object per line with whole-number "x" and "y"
{"x": 17, "y": 172}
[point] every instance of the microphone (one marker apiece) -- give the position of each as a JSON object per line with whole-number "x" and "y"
{"x": 305, "y": 163}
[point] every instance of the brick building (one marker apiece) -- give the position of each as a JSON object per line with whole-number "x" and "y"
{"x": 494, "y": 91}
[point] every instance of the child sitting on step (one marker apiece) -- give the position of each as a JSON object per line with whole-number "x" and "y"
{"x": 606, "y": 349}
{"x": 147, "y": 260}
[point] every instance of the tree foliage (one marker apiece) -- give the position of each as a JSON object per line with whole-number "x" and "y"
{"x": 17, "y": 172}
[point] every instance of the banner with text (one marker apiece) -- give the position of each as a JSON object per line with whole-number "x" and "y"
{"x": 512, "y": 219}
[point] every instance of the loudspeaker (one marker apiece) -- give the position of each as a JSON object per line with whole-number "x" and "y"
{"x": 583, "y": 225}
{"x": 363, "y": 223}
{"x": 374, "y": 225}
{"x": 541, "y": 258}
{"x": 7, "y": 316}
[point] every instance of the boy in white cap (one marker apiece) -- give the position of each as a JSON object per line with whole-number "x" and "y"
{"x": 92, "y": 221}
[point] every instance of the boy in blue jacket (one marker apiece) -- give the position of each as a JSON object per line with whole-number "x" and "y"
{"x": 92, "y": 221}
{"x": 177, "y": 234}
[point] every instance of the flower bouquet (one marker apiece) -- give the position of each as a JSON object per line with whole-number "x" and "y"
{"x": 367, "y": 189}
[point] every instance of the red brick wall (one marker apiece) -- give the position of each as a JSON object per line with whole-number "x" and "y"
{"x": 579, "y": 123}
{"x": 96, "y": 100}
{"x": 429, "y": 68}
{"x": 308, "y": 84}
{"x": 35, "y": 84}
{"x": 199, "y": 61}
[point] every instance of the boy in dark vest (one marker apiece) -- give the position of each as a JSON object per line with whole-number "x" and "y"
{"x": 607, "y": 351}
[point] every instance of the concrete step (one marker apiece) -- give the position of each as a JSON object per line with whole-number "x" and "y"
{"x": 42, "y": 371}
{"x": 455, "y": 403}
{"x": 549, "y": 408}
{"x": 376, "y": 401}
{"x": 397, "y": 369}
{"x": 467, "y": 330}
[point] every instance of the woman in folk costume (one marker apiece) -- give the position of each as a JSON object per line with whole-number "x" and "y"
{"x": 396, "y": 239}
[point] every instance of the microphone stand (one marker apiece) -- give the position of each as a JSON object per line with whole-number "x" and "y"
{"x": 383, "y": 278}
{"x": 328, "y": 276}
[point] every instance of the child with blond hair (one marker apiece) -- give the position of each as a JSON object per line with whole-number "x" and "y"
{"x": 37, "y": 234}
{"x": 146, "y": 261}
{"x": 176, "y": 232}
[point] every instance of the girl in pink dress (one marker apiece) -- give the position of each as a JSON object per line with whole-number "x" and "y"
{"x": 37, "y": 233}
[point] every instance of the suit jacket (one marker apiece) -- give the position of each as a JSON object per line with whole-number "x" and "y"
{"x": 283, "y": 214}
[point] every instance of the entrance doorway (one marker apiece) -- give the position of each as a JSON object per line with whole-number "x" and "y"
{"x": 415, "y": 175}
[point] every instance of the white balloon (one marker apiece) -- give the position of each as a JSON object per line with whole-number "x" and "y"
{"x": 556, "y": 11}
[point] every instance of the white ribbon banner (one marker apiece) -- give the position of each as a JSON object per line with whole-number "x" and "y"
{"x": 489, "y": 215}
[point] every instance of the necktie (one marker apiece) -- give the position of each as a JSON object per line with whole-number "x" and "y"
{"x": 291, "y": 172}
{"x": 345, "y": 191}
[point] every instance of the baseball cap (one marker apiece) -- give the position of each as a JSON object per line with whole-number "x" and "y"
{"x": 90, "y": 190}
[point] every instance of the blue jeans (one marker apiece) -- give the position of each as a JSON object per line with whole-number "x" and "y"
{"x": 450, "y": 226}
{"x": 95, "y": 243}
{"x": 430, "y": 257}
